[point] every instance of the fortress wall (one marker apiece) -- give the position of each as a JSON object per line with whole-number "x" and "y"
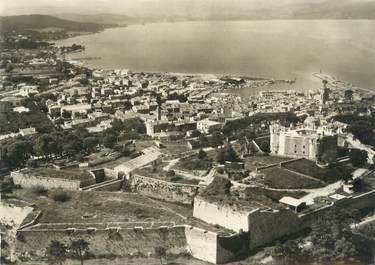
{"x": 119, "y": 242}
{"x": 202, "y": 244}
{"x": 222, "y": 215}
{"x": 110, "y": 186}
{"x": 231, "y": 247}
{"x": 159, "y": 189}
{"x": 27, "y": 181}
{"x": 266, "y": 226}
{"x": 213, "y": 247}
{"x": 357, "y": 202}
{"x": 351, "y": 204}
{"x": 13, "y": 215}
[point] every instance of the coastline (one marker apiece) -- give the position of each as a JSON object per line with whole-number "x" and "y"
{"x": 103, "y": 61}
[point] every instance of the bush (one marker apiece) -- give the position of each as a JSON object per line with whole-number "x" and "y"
{"x": 170, "y": 173}
{"x": 39, "y": 190}
{"x": 60, "y": 196}
{"x": 176, "y": 178}
{"x": 202, "y": 154}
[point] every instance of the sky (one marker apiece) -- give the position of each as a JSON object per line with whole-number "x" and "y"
{"x": 130, "y": 7}
{"x": 138, "y": 7}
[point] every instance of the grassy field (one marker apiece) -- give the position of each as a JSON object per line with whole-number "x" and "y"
{"x": 252, "y": 162}
{"x": 193, "y": 163}
{"x": 279, "y": 178}
{"x": 175, "y": 148}
{"x": 158, "y": 173}
{"x": 63, "y": 174}
{"x": 328, "y": 175}
{"x": 103, "y": 207}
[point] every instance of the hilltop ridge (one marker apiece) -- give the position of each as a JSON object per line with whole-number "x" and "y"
{"x": 36, "y": 21}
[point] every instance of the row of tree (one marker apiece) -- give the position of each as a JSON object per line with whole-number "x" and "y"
{"x": 66, "y": 144}
{"x": 58, "y": 253}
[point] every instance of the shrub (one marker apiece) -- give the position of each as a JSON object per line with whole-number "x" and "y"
{"x": 176, "y": 178}
{"x": 202, "y": 154}
{"x": 39, "y": 190}
{"x": 170, "y": 173}
{"x": 60, "y": 196}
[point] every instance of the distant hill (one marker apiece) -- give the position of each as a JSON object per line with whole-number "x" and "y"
{"x": 318, "y": 9}
{"x": 332, "y": 9}
{"x": 27, "y": 22}
{"x": 105, "y": 18}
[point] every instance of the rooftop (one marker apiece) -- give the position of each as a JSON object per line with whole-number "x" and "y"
{"x": 149, "y": 155}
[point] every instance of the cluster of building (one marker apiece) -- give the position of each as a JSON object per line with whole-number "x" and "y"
{"x": 172, "y": 104}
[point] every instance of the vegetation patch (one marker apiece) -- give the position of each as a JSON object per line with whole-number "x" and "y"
{"x": 194, "y": 163}
{"x": 55, "y": 173}
{"x": 60, "y": 196}
{"x": 279, "y": 178}
{"x": 329, "y": 175}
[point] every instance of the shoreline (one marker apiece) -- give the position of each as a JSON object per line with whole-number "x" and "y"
{"x": 339, "y": 84}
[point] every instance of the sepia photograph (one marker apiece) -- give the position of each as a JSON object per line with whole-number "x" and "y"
{"x": 187, "y": 132}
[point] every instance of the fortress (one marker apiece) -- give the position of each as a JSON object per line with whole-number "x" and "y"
{"x": 303, "y": 142}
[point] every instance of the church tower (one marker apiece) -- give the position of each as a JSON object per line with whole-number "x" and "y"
{"x": 325, "y": 93}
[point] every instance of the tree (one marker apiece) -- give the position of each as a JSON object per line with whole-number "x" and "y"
{"x": 332, "y": 238}
{"x": 348, "y": 94}
{"x": 56, "y": 252}
{"x": 42, "y": 145}
{"x": 17, "y": 153}
{"x": 6, "y": 187}
{"x": 160, "y": 253}
{"x": 265, "y": 146}
{"x": 170, "y": 173}
{"x": 9, "y": 68}
{"x": 216, "y": 139}
{"x": 202, "y": 154}
{"x": 195, "y": 133}
{"x": 227, "y": 154}
{"x": 89, "y": 143}
{"x": 80, "y": 249}
{"x": 358, "y": 157}
{"x": 66, "y": 114}
{"x": 109, "y": 140}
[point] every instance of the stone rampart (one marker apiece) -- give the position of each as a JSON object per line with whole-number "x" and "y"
{"x": 159, "y": 189}
{"x": 225, "y": 216}
{"x": 230, "y": 247}
{"x": 202, "y": 244}
{"x": 266, "y": 226}
{"x": 28, "y": 181}
{"x": 110, "y": 185}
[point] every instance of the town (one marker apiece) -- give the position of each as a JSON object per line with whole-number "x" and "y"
{"x": 167, "y": 165}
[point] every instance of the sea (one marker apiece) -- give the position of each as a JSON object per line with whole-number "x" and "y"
{"x": 277, "y": 49}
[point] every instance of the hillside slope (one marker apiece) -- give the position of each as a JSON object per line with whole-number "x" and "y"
{"x": 26, "y": 22}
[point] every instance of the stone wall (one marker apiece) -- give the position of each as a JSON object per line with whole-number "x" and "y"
{"x": 168, "y": 191}
{"x": 102, "y": 174}
{"x": 13, "y": 215}
{"x": 222, "y": 215}
{"x": 231, "y": 247}
{"x": 351, "y": 203}
{"x": 28, "y": 181}
{"x": 202, "y": 244}
{"x": 266, "y": 226}
{"x": 109, "y": 185}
